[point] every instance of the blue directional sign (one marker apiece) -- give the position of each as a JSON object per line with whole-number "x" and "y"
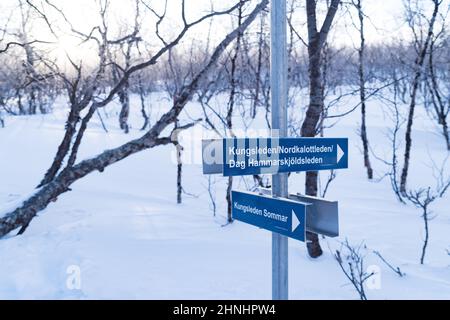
{"x": 282, "y": 216}
{"x": 277, "y": 155}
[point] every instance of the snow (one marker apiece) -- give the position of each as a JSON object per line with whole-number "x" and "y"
{"x": 129, "y": 239}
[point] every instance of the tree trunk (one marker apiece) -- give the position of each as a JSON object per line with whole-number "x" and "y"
{"x": 83, "y": 127}
{"x": 362, "y": 91}
{"x": 309, "y": 129}
{"x": 316, "y": 41}
{"x": 441, "y": 109}
{"x": 415, "y": 87}
{"x": 179, "y": 150}
{"x": 64, "y": 147}
{"x": 19, "y": 103}
{"x": 32, "y": 76}
{"x": 125, "y": 110}
{"x": 143, "y": 111}
{"x": 427, "y": 236}
{"x": 408, "y": 137}
{"x": 258, "y": 68}
{"x": 229, "y": 203}
{"x": 231, "y": 105}
{"x": 446, "y": 132}
{"x": 179, "y": 179}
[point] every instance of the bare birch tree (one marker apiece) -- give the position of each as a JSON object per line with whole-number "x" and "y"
{"x": 62, "y": 181}
{"x": 362, "y": 87}
{"x": 316, "y": 41}
{"x": 422, "y": 199}
{"x": 421, "y": 44}
{"x": 439, "y": 91}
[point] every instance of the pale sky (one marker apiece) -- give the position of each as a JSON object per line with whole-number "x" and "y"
{"x": 83, "y": 15}
{"x": 386, "y": 21}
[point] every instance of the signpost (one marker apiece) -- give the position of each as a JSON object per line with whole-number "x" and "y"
{"x": 240, "y": 157}
{"x": 282, "y": 216}
{"x": 322, "y": 216}
{"x": 272, "y": 156}
{"x": 277, "y": 211}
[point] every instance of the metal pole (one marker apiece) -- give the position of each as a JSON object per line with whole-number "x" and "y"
{"x": 278, "y": 79}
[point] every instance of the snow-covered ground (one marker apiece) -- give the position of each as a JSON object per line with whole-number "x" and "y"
{"x": 125, "y": 234}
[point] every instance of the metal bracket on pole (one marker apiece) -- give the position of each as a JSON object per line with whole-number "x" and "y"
{"x": 322, "y": 216}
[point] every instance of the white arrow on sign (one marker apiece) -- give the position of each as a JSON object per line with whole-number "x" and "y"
{"x": 295, "y": 222}
{"x": 340, "y": 153}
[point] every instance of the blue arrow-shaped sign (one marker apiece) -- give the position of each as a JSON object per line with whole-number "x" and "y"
{"x": 277, "y": 155}
{"x": 282, "y": 216}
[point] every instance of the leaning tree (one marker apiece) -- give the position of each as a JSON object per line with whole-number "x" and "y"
{"x": 61, "y": 178}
